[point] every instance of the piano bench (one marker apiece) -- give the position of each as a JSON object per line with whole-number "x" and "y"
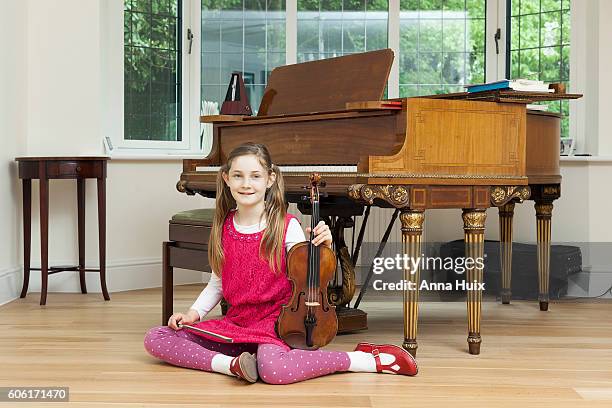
{"x": 187, "y": 248}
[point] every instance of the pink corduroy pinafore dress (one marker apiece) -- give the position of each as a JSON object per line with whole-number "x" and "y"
{"x": 254, "y": 292}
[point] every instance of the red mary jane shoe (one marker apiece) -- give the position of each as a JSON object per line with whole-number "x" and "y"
{"x": 403, "y": 364}
{"x": 245, "y": 366}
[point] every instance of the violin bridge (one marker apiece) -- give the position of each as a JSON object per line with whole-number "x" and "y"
{"x": 312, "y": 303}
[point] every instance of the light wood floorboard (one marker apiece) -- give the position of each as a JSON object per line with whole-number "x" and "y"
{"x": 560, "y": 358}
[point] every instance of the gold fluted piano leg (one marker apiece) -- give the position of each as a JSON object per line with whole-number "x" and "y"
{"x": 506, "y": 212}
{"x": 474, "y": 225}
{"x": 543, "y": 210}
{"x": 412, "y": 231}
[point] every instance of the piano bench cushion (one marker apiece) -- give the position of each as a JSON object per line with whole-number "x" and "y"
{"x": 201, "y": 216}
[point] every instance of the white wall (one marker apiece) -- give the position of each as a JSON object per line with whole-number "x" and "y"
{"x": 61, "y": 51}
{"x": 13, "y": 88}
{"x": 59, "y": 79}
{"x": 603, "y": 80}
{"x": 590, "y": 59}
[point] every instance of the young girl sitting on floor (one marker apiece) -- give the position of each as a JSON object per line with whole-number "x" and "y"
{"x": 251, "y": 235}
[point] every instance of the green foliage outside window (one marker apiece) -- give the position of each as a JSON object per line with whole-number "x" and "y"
{"x": 152, "y": 70}
{"x": 244, "y": 36}
{"x": 540, "y": 33}
{"x": 442, "y": 48}
{"x": 339, "y": 27}
{"x": 442, "y": 45}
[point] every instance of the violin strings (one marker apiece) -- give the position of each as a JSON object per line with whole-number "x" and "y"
{"x": 315, "y": 286}
{"x": 313, "y": 251}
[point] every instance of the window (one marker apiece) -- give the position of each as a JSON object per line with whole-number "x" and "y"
{"x": 152, "y": 82}
{"x": 540, "y": 38}
{"x": 174, "y": 67}
{"x": 244, "y": 36}
{"x": 442, "y": 45}
{"x": 333, "y": 28}
{"x": 160, "y": 116}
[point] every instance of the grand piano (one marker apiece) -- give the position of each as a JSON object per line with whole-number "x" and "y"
{"x": 411, "y": 154}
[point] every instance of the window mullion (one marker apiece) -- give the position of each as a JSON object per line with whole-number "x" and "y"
{"x": 143, "y": 142}
{"x": 291, "y": 32}
{"x": 192, "y": 87}
{"x": 393, "y": 42}
{"x": 495, "y": 63}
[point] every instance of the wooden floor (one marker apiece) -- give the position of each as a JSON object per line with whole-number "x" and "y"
{"x": 560, "y": 358}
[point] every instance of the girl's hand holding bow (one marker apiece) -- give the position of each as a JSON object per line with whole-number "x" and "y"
{"x": 322, "y": 234}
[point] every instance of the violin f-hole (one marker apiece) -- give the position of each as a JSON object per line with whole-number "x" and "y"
{"x": 297, "y": 304}
{"x": 324, "y": 305}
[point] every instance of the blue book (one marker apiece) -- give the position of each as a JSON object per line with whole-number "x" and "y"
{"x": 503, "y": 84}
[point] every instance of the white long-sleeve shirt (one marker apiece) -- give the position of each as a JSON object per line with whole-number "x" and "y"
{"x": 213, "y": 292}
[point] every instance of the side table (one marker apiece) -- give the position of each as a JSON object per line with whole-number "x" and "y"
{"x": 44, "y": 169}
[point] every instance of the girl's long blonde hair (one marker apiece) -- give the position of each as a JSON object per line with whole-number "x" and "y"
{"x": 275, "y": 210}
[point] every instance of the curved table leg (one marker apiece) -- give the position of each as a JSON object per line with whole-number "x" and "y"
{"x": 81, "y": 231}
{"x": 27, "y": 234}
{"x": 102, "y": 234}
{"x": 44, "y": 236}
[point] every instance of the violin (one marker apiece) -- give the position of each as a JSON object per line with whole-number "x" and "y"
{"x": 308, "y": 321}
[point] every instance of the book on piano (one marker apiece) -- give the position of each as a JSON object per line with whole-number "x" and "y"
{"x": 524, "y": 85}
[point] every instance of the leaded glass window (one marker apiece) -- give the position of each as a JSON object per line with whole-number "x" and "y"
{"x": 152, "y": 70}
{"x": 540, "y": 46}
{"x": 247, "y": 36}
{"x": 442, "y": 45}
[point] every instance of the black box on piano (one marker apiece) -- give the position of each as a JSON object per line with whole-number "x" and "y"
{"x": 565, "y": 260}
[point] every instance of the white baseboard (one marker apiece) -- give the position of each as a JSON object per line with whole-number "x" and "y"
{"x": 593, "y": 281}
{"x": 10, "y": 284}
{"x": 121, "y": 276}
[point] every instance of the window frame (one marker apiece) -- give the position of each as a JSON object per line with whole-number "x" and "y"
{"x": 578, "y": 128}
{"x": 495, "y": 69}
{"x": 190, "y": 105}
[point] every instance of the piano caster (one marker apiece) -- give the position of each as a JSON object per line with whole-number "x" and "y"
{"x": 410, "y": 345}
{"x": 543, "y": 303}
{"x": 474, "y": 341}
{"x": 506, "y": 213}
{"x": 351, "y": 320}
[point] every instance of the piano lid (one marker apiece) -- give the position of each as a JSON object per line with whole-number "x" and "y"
{"x": 326, "y": 85}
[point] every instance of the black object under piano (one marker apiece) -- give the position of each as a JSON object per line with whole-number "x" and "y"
{"x": 565, "y": 260}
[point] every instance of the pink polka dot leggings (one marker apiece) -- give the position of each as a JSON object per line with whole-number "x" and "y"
{"x": 275, "y": 364}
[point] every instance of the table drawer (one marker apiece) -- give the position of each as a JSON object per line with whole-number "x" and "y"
{"x": 72, "y": 169}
